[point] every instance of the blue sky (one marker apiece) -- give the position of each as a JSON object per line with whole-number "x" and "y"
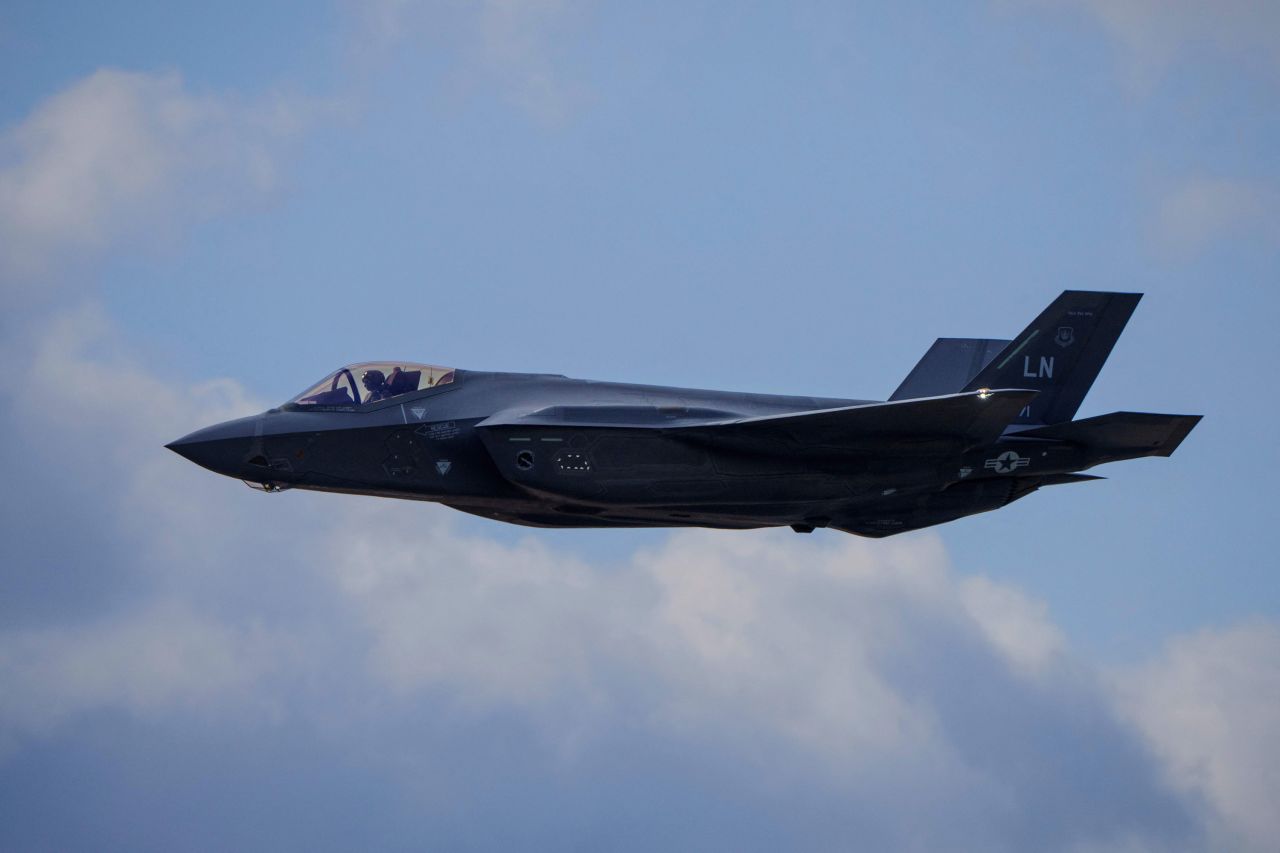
{"x": 203, "y": 210}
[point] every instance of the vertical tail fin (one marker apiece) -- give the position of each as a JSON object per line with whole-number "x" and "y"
{"x": 1060, "y": 353}
{"x": 948, "y": 366}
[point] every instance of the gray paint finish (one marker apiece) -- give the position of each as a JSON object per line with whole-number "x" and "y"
{"x": 976, "y": 425}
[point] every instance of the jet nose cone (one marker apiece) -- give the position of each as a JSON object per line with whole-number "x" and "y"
{"x": 222, "y": 448}
{"x": 180, "y": 445}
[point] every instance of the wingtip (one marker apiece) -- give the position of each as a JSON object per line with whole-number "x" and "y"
{"x": 1185, "y": 424}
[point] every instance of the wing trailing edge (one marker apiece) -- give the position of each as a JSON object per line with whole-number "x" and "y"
{"x": 972, "y": 418}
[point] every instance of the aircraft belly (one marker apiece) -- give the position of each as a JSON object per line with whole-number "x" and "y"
{"x": 926, "y": 510}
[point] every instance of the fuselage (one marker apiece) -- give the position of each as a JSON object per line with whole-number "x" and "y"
{"x": 631, "y": 467}
{"x": 977, "y": 424}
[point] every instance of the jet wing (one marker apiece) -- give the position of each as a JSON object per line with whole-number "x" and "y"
{"x": 972, "y": 418}
{"x": 967, "y": 419}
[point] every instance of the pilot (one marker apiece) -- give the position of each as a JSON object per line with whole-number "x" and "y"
{"x": 375, "y": 383}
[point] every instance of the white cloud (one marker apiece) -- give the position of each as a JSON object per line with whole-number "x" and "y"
{"x": 79, "y": 356}
{"x": 786, "y": 637}
{"x": 488, "y": 622}
{"x": 836, "y": 659}
{"x": 1016, "y": 625}
{"x": 89, "y": 404}
{"x": 115, "y": 157}
{"x": 89, "y": 420}
{"x": 126, "y": 155}
{"x": 1211, "y": 706}
{"x": 161, "y": 660}
{"x": 730, "y": 630}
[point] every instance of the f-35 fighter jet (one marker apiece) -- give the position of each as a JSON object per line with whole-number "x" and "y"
{"x": 976, "y": 425}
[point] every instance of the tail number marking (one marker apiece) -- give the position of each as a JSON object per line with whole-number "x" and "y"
{"x": 1044, "y": 371}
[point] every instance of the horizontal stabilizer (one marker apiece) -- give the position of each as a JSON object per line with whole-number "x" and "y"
{"x": 1125, "y": 433}
{"x": 948, "y": 366}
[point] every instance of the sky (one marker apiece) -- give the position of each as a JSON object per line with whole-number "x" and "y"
{"x": 206, "y": 207}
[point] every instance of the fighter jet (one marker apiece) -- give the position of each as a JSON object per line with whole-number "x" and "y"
{"x": 976, "y": 425}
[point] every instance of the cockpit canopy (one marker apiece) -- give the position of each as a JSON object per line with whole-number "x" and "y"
{"x": 372, "y": 382}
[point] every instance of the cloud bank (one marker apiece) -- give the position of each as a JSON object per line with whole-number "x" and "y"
{"x": 123, "y": 155}
{"x": 756, "y": 688}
